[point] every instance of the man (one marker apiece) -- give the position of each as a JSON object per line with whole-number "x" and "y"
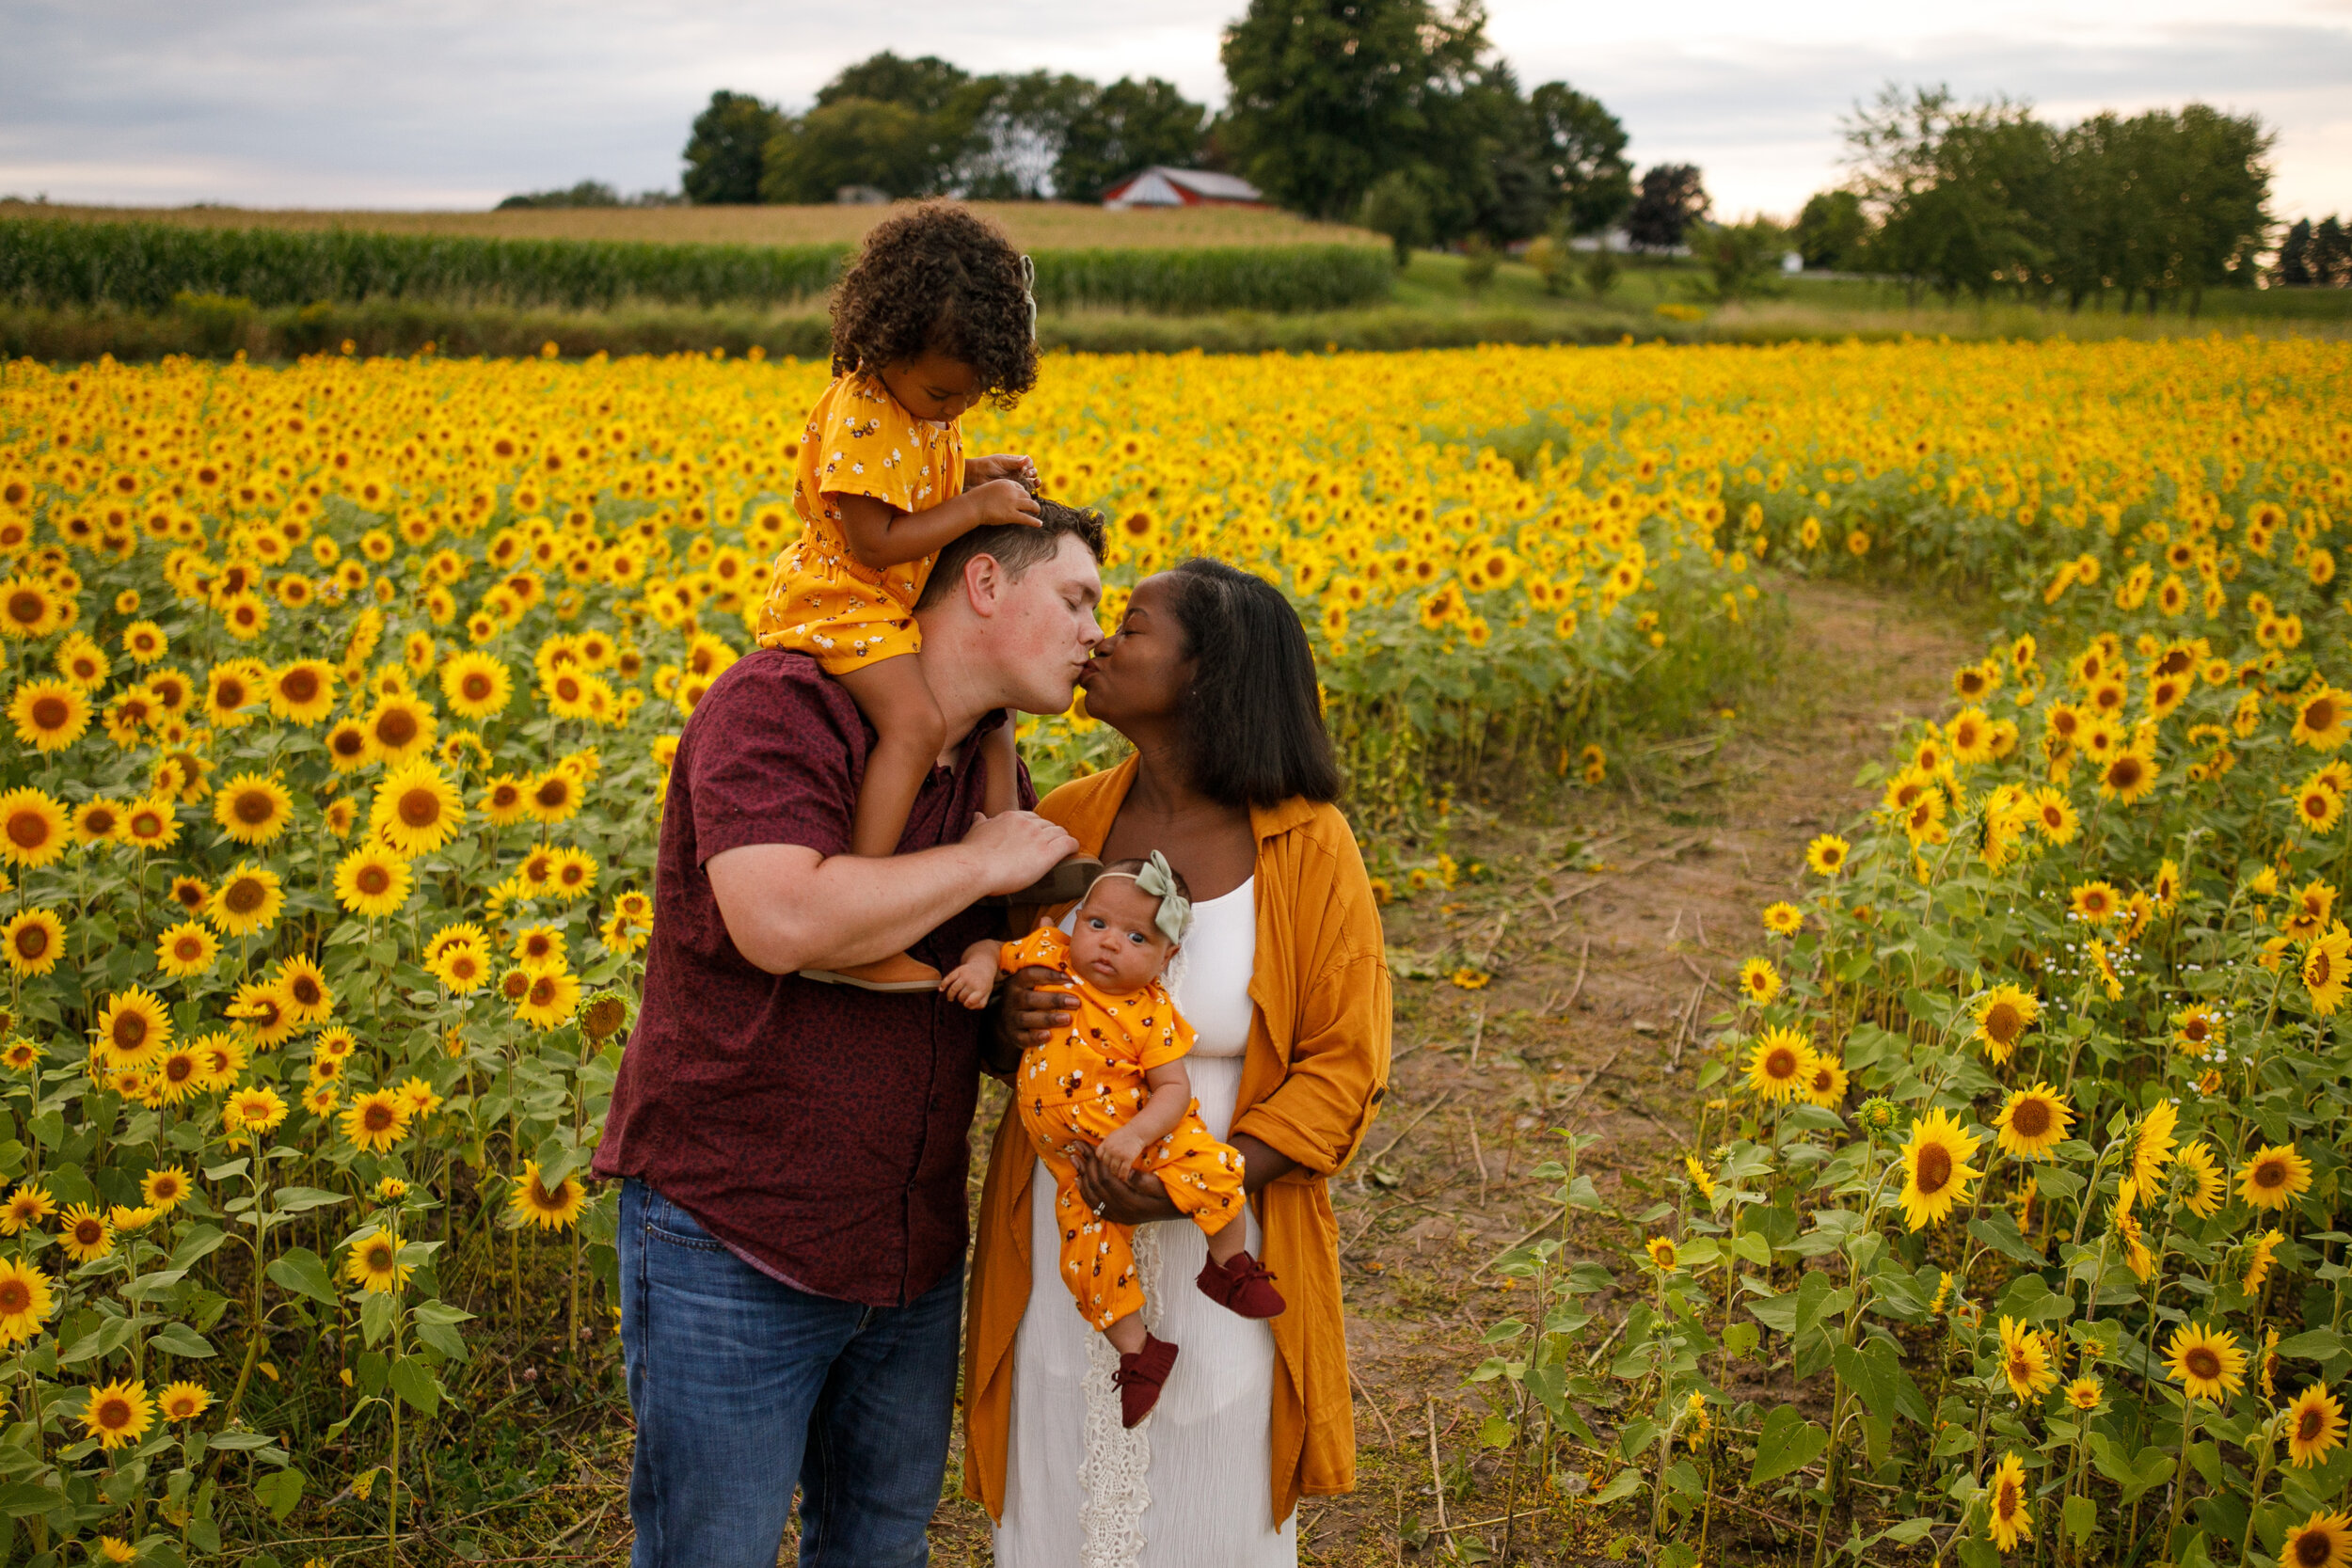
{"x": 792, "y": 1215}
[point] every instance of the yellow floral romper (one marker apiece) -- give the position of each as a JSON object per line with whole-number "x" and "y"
{"x": 820, "y": 599}
{"x": 1077, "y": 1089}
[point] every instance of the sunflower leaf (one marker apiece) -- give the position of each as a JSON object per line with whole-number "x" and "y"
{"x": 303, "y": 1273}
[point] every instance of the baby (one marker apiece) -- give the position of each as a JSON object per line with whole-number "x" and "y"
{"x": 1115, "y": 1081}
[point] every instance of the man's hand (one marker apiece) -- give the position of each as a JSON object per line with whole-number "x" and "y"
{"x": 1015, "y": 849}
{"x": 1002, "y": 500}
{"x": 1003, "y": 464}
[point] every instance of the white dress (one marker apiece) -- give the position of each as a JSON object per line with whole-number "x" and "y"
{"x": 1192, "y": 1487}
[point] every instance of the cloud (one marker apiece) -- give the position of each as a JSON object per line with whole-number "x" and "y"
{"x": 436, "y": 103}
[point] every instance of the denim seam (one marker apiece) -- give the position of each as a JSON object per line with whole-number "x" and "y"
{"x": 692, "y": 1244}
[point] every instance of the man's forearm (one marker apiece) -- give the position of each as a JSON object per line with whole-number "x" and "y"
{"x": 853, "y": 909}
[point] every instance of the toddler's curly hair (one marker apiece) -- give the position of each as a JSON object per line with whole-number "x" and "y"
{"x": 937, "y": 278}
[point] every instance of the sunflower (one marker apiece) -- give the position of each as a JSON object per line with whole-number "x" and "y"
{"x": 463, "y": 967}
{"x": 2207, "y": 1362}
{"x": 27, "y": 609}
{"x": 183, "y": 1401}
{"x": 2258, "y": 1261}
{"x": 2322, "y": 1541}
{"x": 1935, "y": 1171}
{"x": 34, "y": 941}
{"x": 375, "y": 1122}
{"x": 416, "y": 810}
{"x": 2054, "y": 815}
{"x": 2085, "y": 1394}
{"x": 2198, "y": 1028}
{"x": 2127, "y": 777}
{"x": 222, "y": 1056}
{"x": 553, "y": 797}
{"x": 252, "y": 809}
{"x": 49, "y": 715}
{"x": 302, "y": 985}
{"x": 24, "y": 1301}
{"x": 2314, "y": 1425}
{"x": 2326, "y": 967}
{"x": 2320, "y": 718}
{"x": 247, "y": 900}
{"x": 2209, "y": 1188}
{"x": 2026, "y": 1360}
{"x": 1783, "y": 919}
{"x": 2033, "y": 1123}
{"x": 2094, "y": 902}
{"x": 2151, "y": 1144}
{"x": 2275, "y": 1176}
{"x": 84, "y": 1233}
{"x": 417, "y": 1097}
{"x": 375, "y": 1263}
{"x": 186, "y": 949}
{"x": 117, "y": 1414}
{"x": 1825, "y": 1086}
{"x": 373, "y": 881}
{"x": 1759, "y": 982}
{"x": 530, "y": 1201}
{"x": 135, "y": 1027}
{"x": 258, "y": 1109}
{"x": 178, "y": 1073}
{"x": 151, "y": 824}
{"x": 1662, "y": 1253}
{"x": 303, "y": 693}
{"x": 400, "y": 728}
{"x": 506, "y": 799}
{"x": 2003, "y": 1016}
{"x": 551, "y": 999}
{"x": 29, "y": 1204}
{"x": 348, "y": 746}
{"x": 97, "y": 822}
{"x": 535, "y": 945}
{"x": 163, "y": 1188}
{"x": 476, "y": 686}
{"x": 2318, "y": 807}
{"x": 32, "y": 828}
{"x": 264, "y": 1013}
{"x": 229, "y": 689}
{"x": 18, "y": 1055}
{"x": 1780, "y": 1064}
{"x": 2008, "y": 1507}
{"x": 574, "y": 875}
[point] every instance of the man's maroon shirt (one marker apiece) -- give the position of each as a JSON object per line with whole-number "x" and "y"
{"x": 818, "y": 1130}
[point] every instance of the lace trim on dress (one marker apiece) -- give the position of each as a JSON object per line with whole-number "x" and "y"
{"x": 1113, "y": 1476}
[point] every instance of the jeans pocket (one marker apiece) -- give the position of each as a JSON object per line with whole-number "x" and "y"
{"x": 666, "y": 1222}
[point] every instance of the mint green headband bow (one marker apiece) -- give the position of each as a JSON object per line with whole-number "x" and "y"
{"x": 1157, "y": 879}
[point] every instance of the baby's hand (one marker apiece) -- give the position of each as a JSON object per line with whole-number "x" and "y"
{"x": 1120, "y": 1150}
{"x": 1004, "y": 500}
{"x": 1012, "y": 465}
{"x": 970, "y": 983}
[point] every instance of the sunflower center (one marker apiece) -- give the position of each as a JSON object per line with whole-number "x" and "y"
{"x": 2314, "y": 1549}
{"x": 89, "y": 1232}
{"x": 377, "y": 1118}
{"x": 2308, "y": 1427}
{"x": 2003, "y": 1023}
{"x": 1781, "y": 1063}
{"x": 26, "y": 607}
{"x": 396, "y": 728}
{"x": 554, "y": 793}
{"x": 243, "y": 896}
{"x": 306, "y": 990}
{"x": 51, "y": 713}
{"x": 1934, "y": 1170}
{"x": 2195, "y": 1031}
{"x": 375, "y": 881}
{"x": 2031, "y": 1120}
{"x": 348, "y": 743}
{"x": 114, "y": 1412}
{"x": 420, "y": 808}
{"x": 179, "y": 1069}
{"x": 299, "y": 686}
{"x": 229, "y": 694}
{"x": 28, "y": 829}
{"x": 2321, "y": 715}
{"x": 32, "y": 942}
{"x": 15, "y": 1297}
{"x": 254, "y": 808}
{"x": 130, "y": 1032}
{"x": 476, "y": 687}
{"x": 2203, "y": 1363}
{"x": 2270, "y": 1174}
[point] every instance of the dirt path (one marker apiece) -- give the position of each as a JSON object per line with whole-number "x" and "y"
{"x": 1583, "y": 1026}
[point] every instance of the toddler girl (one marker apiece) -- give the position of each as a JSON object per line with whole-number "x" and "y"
{"x": 1115, "y": 1081}
{"x": 936, "y": 315}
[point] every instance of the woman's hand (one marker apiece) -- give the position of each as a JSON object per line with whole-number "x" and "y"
{"x": 1121, "y": 1199}
{"x": 1037, "y": 1005}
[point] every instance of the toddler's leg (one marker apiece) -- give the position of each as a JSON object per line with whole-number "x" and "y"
{"x": 1072, "y": 877}
{"x": 998, "y": 752}
{"x": 910, "y": 731}
{"x": 1203, "y": 1177}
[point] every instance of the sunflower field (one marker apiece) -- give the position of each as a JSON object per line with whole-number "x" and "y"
{"x": 342, "y": 695}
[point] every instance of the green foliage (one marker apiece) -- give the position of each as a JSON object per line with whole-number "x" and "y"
{"x": 1600, "y": 271}
{"x": 1740, "y": 259}
{"x": 1581, "y": 148}
{"x": 1478, "y": 263}
{"x": 1279, "y": 279}
{"x": 1830, "y": 232}
{"x": 1396, "y": 207}
{"x": 849, "y": 142}
{"x": 1124, "y": 127}
{"x": 145, "y": 265}
{"x": 725, "y": 152}
{"x": 1671, "y": 200}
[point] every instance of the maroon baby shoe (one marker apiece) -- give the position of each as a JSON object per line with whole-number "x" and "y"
{"x": 1242, "y": 1287}
{"x": 1140, "y": 1377}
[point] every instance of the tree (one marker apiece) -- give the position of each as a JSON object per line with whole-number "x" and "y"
{"x": 1831, "y": 229}
{"x": 1397, "y": 207}
{"x": 728, "y": 147}
{"x": 1004, "y": 135}
{"x": 1327, "y": 96}
{"x": 2293, "y": 269}
{"x": 926, "y": 85}
{"x": 1740, "y": 259}
{"x": 588, "y": 193}
{"x": 850, "y": 141}
{"x": 1581, "y": 149}
{"x": 2332, "y": 255}
{"x": 1671, "y": 200}
{"x": 1127, "y": 126}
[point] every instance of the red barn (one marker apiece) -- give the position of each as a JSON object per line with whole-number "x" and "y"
{"x": 1183, "y": 187}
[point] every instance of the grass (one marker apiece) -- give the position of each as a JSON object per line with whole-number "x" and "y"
{"x": 1039, "y": 225}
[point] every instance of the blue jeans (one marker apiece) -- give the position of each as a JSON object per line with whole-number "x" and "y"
{"x": 739, "y": 1384}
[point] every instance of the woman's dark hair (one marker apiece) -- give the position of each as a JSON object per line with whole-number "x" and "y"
{"x": 1253, "y": 722}
{"x": 937, "y": 279}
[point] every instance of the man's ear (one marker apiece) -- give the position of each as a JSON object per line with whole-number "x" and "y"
{"x": 984, "y": 584}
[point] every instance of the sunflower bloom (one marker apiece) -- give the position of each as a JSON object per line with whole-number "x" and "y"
{"x": 2274, "y": 1177}
{"x": 183, "y": 1401}
{"x": 2033, "y": 1121}
{"x": 2008, "y": 1507}
{"x": 1759, "y": 982}
{"x": 26, "y": 1300}
{"x": 248, "y": 899}
{"x": 118, "y": 1413}
{"x": 2207, "y": 1362}
{"x": 531, "y": 1202}
{"x": 2026, "y": 1360}
{"x": 416, "y": 810}
{"x": 375, "y": 1122}
{"x": 2209, "y": 1188}
{"x": 375, "y": 1264}
{"x": 1826, "y": 855}
{"x": 253, "y": 809}
{"x": 2314, "y": 1425}
{"x": 2151, "y": 1144}
{"x": 84, "y": 1233}
{"x": 2322, "y": 1541}
{"x": 33, "y": 940}
{"x": 2326, "y": 967}
{"x": 135, "y": 1027}
{"x": 32, "y": 828}
{"x": 1779, "y": 1064}
{"x": 2003, "y": 1016}
{"x": 1935, "y": 1171}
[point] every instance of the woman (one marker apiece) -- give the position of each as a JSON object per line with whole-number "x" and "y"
{"x": 1285, "y": 980}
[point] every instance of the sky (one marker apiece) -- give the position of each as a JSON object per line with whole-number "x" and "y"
{"x": 452, "y": 104}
